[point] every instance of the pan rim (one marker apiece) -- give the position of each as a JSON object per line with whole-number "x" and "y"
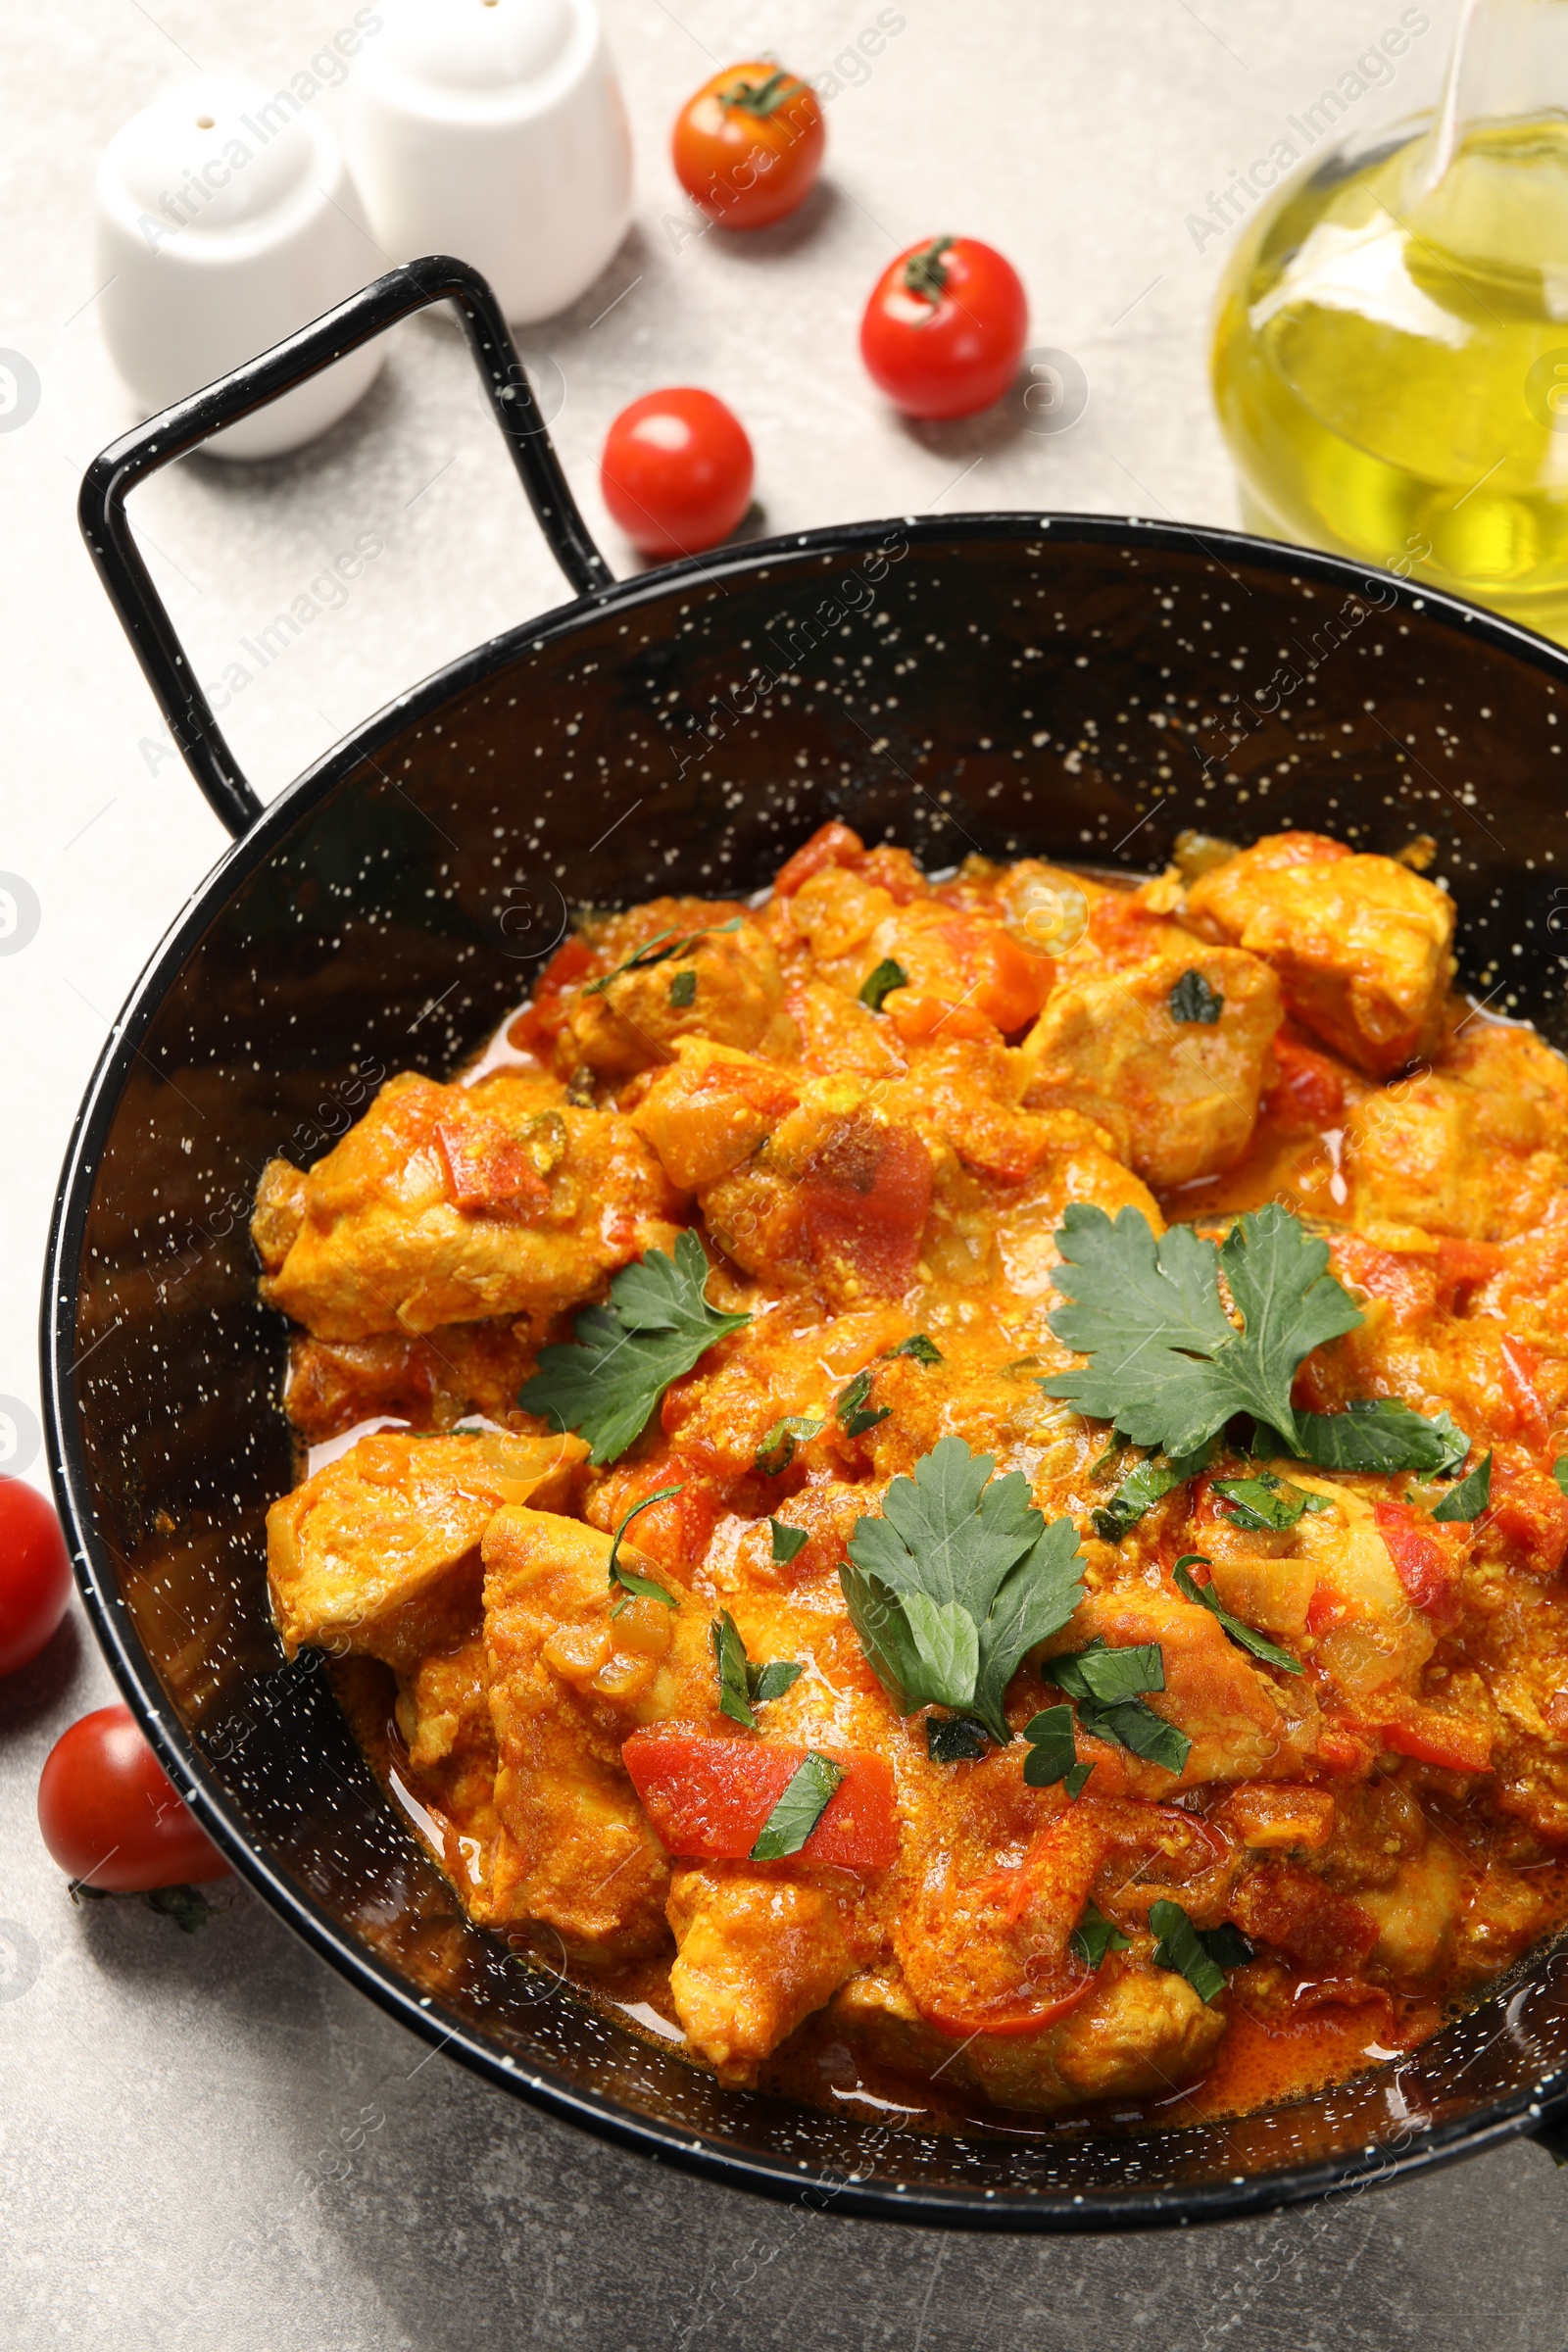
{"x": 1520, "y": 2113}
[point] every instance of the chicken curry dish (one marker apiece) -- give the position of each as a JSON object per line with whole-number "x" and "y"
{"x": 962, "y": 1479}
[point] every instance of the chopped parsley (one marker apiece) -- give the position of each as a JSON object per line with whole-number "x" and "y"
{"x": 683, "y": 987}
{"x": 1193, "y": 1000}
{"x": 1470, "y": 1498}
{"x": 1265, "y": 1501}
{"x": 1380, "y": 1434}
{"x": 924, "y": 1351}
{"x": 655, "y": 1327}
{"x": 1110, "y": 1686}
{"x": 742, "y": 1685}
{"x": 787, "y": 1542}
{"x": 1095, "y": 1935}
{"x": 1207, "y": 1598}
{"x": 659, "y": 950}
{"x": 638, "y": 1587}
{"x": 853, "y": 1410}
{"x": 1142, "y": 1487}
{"x": 1200, "y": 1956}
{"x": 954, "y": 1740}
{"x": 882, "y": 981}
{"x": 799, "y": 1810}
{"x": 1167, "y": 1366}
{"x": 777, "y": 1449}
{"x": 955, "y": 1581}
{"x": 1053, "y": 1755}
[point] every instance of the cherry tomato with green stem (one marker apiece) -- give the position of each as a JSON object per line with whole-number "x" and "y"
{"x": 945, "y": 329}
{"x": 110, "y": 1814}
{"x": 677, "y": 472}
{"x": 35, "y": 1573}
{"x": 748, "y": 146}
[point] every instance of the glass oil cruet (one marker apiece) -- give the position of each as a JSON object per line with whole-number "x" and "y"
{"x": 1391, "y": 358}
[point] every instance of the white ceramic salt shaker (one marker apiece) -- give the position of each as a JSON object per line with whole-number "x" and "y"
{"x": 494, "y": 130}
{"x": 226, "y": 221}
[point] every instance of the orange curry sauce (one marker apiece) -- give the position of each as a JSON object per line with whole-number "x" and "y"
{"x": 861, "y": 1110}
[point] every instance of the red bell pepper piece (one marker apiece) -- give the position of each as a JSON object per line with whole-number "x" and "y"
{"x": 708, "y": 1798}
{"x": 1457, "y": 1742}
{"x": 831, "y": 843}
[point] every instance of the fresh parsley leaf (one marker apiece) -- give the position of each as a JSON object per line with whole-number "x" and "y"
{"x": 729, "y": 1656}
{"x": 655, "y": 1327}
{"x": 924, "y": 1351}
{"x": 1141, "y": 1489}
{"x": 799, "y": 1809}
{"x": 1267, "y": 1502}
{"x": 1182, "y": 1950}
{"x": 1378, "y": 1434}
{"x": 955, "y": 1581}
{"x": 1559, "y": 1471}
{"x": 1106, "y": 1676}
{"x": 787, "y": 1542}
{"x": 741, "y": 1685}
{"x": 1053, "y": 1755}
{"x": 683, "y": 987}
{"x": 882, "y": 981}
{"x": 1109, "y": 1685}
{"x": 771, "y": 1681}
{"x": 1470, "y": 1498}
{"x": 659, "y": 950}
{"x": 642, "y": 1586}
{"x": 1102, "y": 1462}
{"x": 853, "y": 1410}
{"x": 1095, "y": 1935}
{"x": 1207, "y": 1598}
{"x": 1193, "y": 1000}
{"x": 1225, "y": 1945}
{"x": 777, "y": 1451}
{"x": 1166, "y": 1364}
{"x": 954, "y": 1740}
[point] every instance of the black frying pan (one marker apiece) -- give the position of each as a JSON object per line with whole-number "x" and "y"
{"x": 984, "y": 681}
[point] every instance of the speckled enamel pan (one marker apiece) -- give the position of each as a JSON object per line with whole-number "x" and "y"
{"x": 1078, "y": 686}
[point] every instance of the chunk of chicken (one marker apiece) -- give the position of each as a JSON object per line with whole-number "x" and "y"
{"x": 1140, "y": 2031}
{"x": 950, "y": 957}
{"x": 568, "y": 1681}
{"x": 447, "y": 1203}
{"x": 1177, "y": 1093}
{"x": 757, "y": 1953}
{"x": 1212, "y": 1691}
{"x": 723, "y": 984}
{"x": 805, "y": 1181}
{"x": 378, "y": 1551}
{"x": 443, "y": 1712}
{"x": 1476, "y": 1146}
{"x": 1361, "y": 944}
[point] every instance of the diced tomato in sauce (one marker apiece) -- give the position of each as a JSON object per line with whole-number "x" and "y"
{"x": 1295, "y": 1911}
{"x": 1457, "y": 1742}
{"x": 490, "y": 1175}
{"x": 830, "y": 845}
{"x": 1461, "y": 1267}
{"x": 540, "y": 1023}
{"x": 1308, "y": 1092}
{"x": 932, "y": 1020}
{"x": 708, "y": 1798}
{"x": 1521, "y": 1369}
{"x": 1420, "y": 1563}
{"x": 1527, "y": 1517}
{"x": 873, "y": 1217}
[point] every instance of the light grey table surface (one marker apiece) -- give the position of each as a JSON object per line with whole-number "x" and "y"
{"x": 211, "y": 2141}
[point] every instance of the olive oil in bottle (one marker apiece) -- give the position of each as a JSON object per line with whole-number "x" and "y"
{"x": 1391, "y": 360}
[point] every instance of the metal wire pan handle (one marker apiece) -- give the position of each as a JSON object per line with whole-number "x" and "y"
{"x": 174, "y": 431}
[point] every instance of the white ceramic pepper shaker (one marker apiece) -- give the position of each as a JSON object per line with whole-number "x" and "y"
{"x": 494, "y": 130}
{"x": 226, "y": 221}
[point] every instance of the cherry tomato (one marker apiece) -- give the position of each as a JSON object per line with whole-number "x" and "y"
{"x": 35, "y": 1573}
{"x": 677, "y": 472}
{"x": 944, "y": 330}
{"x": 748, "y": 146}
{"x": 110, "y": 1814}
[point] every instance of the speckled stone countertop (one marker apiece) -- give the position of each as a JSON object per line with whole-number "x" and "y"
{"x": 210, "y": 2141}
